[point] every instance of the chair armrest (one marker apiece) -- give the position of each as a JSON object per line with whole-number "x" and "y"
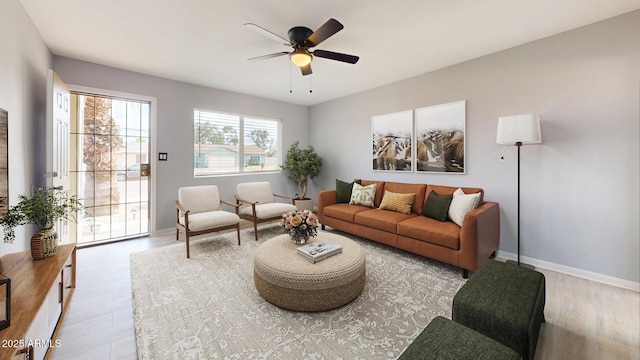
{"x": 286, "y": 197}
{"x": 479, "y": 235}
{"x": 230, "y": 204}
{"x": 180, "y": 207}
{"x": 241, "y": 200}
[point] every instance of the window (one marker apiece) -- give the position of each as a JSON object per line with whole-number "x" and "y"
{"x": 232, "y": 144}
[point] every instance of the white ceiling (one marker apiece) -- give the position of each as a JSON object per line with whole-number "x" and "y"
{"x": 204, "y": 42}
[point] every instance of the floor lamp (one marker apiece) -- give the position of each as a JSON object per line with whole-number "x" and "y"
{"x": 519, "y": 130}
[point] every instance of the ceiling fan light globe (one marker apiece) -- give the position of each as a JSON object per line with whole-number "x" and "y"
{"x": 300, "y": 57}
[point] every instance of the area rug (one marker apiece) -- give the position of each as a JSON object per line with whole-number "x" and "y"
{"x": 207, "y": 307}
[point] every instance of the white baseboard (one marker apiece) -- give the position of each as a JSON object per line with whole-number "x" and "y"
{"x": 165, "y": 231}
{"x": 589, "y": 275}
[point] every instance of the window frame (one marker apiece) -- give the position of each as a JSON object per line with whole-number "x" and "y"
{"x": 240, "y": 165}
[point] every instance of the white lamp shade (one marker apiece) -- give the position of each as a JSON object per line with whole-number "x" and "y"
{"x": 523, "y": 128}
{"x": 300, "y": 57}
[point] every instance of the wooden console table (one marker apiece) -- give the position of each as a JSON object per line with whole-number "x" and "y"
{"x": 40, "y": 295}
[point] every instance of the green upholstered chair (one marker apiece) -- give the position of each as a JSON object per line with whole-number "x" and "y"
{"x": 504, "y": 302}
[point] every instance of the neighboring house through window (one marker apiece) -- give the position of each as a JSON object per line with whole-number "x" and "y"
{"x": 231, "y": 143}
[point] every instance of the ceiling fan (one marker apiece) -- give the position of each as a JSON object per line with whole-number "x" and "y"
{"x": 301, "y": 39}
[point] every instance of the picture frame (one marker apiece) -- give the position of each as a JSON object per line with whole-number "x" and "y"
{"x": 392, "y": 142}
{"x": 440, "y": 138}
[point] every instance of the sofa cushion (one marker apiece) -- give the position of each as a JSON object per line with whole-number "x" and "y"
{"x": 384, "y": 220}
{"x": 397, "y": 202}
{"x": 343, "y": 191}
{"x": 404, "y": 188}
{"x": 443, "y": 190}
{"x": 363, "y": 195}
{"x": 461, "y": 204}
{"x": 379, "y": 189}
{"x": 437, "y": 206}
{"x": 432, "y": 231}
{"x": 344, "y": 212}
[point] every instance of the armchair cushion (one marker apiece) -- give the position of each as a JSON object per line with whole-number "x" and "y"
{"x": 256, "y": 192}
{"x": 210, "y": 220}
{"x": 198, "y": 199}
{"x": 265, "y": 211}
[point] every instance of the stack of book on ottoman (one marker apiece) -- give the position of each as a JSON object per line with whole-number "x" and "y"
{"x": 319, "y": 250}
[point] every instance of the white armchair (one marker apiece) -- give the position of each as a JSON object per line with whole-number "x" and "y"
{"x": 198, "y": 211}
{"x": 257, "y": 203}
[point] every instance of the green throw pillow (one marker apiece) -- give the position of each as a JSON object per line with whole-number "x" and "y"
{"x": 343, "y": 191}
{"x": 437, "y": 206}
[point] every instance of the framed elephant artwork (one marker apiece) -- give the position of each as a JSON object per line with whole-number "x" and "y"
{"x": 392, "y": 138}
{"x": 440, "y": 138}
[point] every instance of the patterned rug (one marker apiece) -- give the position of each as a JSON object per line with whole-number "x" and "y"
{"x": 207, "y": 307}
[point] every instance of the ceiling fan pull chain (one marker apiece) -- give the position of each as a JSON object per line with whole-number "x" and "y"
{"x": 310, "y": 85}
{"x": 290, "y": 79}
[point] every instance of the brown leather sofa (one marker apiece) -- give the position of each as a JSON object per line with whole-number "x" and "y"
{"x": 466, "y": 246}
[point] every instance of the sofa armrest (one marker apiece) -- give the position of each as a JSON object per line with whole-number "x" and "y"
{"x": 479, "y": 235}
{"x": 325, "y": 198}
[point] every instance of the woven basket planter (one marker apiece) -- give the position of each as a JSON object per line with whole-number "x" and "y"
{"x": 44, "y": 243}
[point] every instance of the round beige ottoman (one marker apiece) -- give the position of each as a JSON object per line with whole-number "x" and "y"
{"x": 286, "y": 279}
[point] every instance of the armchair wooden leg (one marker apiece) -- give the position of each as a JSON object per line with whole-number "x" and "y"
{"x": 177, "y": 233}
{"x": 187, "y": 244}
{"x": 255, "y": 229}
{"x": 238, "y": 230}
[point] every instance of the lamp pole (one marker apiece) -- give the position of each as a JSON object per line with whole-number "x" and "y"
{"x": 519, "y": 145}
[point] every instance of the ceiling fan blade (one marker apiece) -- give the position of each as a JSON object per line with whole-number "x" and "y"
{"x": 324, "y": 32}
{"x": 351, "y": 59}
{"x": 267, "y": 33}
{"x": 306, "y": 70}
{"x": 269, "y": 56}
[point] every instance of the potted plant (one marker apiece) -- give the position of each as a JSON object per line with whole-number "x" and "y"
{"x": 43, "y": 209}
{"x": 303, "y": 165}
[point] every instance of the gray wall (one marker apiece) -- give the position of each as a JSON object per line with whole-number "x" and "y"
{"x": 24, "y": 62}
{"x": 580, "y": 196}
{"x": 174, "y": 128}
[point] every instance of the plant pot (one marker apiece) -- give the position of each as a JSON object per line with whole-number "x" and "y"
{"x": 44, "y": 243}
{"x": 304, "y": 204}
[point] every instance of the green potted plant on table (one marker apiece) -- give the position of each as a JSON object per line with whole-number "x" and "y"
{"x": 303, "y": 165}
{"x": 43, "y": 209}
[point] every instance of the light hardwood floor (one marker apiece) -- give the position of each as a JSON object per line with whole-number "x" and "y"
{"x": 585, "y": 320}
